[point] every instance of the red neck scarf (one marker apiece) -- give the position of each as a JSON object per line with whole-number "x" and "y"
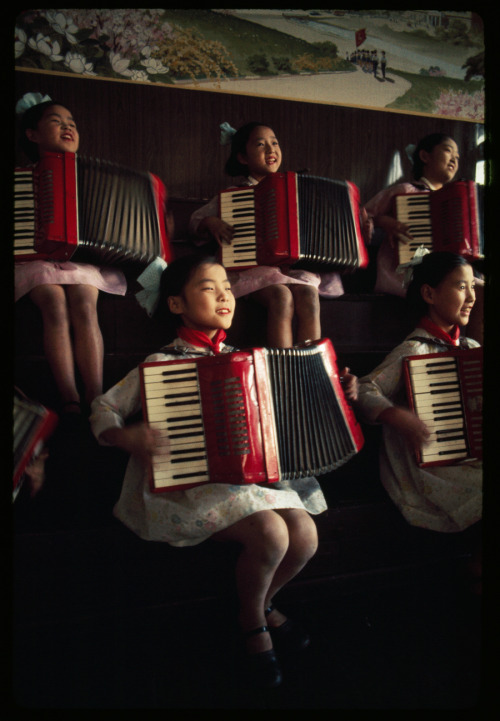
{"x": 200, "y": 339}
{"x": 452, "y": 338}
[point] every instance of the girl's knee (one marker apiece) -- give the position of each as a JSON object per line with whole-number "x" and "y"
{"x": 306, "y": 298}
{"x": 51, "y": 301}
{"x": 303, "y": 534}
{"x": 82, "y": 304}
{"x": 270, "y": 537}
{"x": 279, "y": 299}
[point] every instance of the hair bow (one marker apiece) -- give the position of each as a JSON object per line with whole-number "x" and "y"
{"x": 150, "y": 280}
{"x": 226, "y": 133}
{"x": 29, "y": 100}
{"x": 406, "y": 269}
{"x": 409, "y": 150}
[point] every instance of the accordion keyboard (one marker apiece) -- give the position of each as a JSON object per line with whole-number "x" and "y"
{"x": 238, "y": 209}
{"x": 24, "y": 212}
{"x": 414, "y": 211}
{"x": 438, "y": 402}
{"x": 174, "y": 409}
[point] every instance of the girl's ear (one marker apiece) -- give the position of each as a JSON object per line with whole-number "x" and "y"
{"x": 424, "y": 156}
{"x": 175, "y": 304}
{"x": 427, "y": 293}
{"x": 31, "y": 134}
{"x": 242, "y": 158}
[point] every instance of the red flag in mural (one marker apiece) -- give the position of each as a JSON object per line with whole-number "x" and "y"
{"x": 360, "y": 37}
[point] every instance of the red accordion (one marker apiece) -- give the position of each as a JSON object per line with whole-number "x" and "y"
{"x": 255, "y": 416}
{"x": 446, "y": 392}
{"x": 448, "y": 219}
{"x": 67, "y": 206}
{"x": 33, "y": 424}
{"x": 292, "y": 219}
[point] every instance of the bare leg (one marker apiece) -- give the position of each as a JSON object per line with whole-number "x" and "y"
{"x": 278, "y": 301}
{"x": 262, "y": 572}
{"x": 51, "y": 300}
{"x": 303, "y": 544}
{"x": 264, "y": 540}
{"x": 306, "y": 303}
{"x": 87, "y": 336}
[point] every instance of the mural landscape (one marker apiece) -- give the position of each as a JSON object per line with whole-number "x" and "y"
{"x": 434, "y": 60}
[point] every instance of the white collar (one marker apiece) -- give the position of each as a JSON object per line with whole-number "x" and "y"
{"x": 427, "y": 183}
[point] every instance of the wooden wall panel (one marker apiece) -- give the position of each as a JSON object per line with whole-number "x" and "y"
{"x": 174, "y": 132}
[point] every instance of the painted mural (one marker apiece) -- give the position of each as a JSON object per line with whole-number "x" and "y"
{"x": 429, "y": 62}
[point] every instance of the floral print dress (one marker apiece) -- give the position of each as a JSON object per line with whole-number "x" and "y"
{"x": 188, "y": 517}
{"x": 439, "y": 498}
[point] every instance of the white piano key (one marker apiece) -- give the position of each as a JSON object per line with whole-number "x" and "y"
{"x": 438, "y": 401}
{"x": 431, "y": 457}
{"x": 414, "y": 211}
{"x": 24, "y": 213}
{"x": 238, "y": 209}
{"x": 174, "y": 408}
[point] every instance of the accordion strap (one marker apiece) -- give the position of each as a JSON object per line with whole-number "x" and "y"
{"x": 462, "y": 343}
{"x": 178, "y": 350}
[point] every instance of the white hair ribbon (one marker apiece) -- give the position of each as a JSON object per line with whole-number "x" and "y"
{"x": 406, "y": 269}
{"x": 226, "y": 133}
{"x": 29, "y": 100}
{"x": 150, "y": 281}
{"x": 409, "y": 150}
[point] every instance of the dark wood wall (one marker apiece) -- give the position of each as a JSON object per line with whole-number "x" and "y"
{"x": 174, "y": 132}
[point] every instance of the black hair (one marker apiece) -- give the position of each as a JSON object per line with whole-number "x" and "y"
{"x": 428, "y": 143}
{"x": 175, "y": 278}
{"x": 29, "y": 121}
{"x": 431, "y": 271}
{"x": 239, "y": 142}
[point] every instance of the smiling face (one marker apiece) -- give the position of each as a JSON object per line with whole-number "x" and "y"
{"x": 441, "y": 163}
{"x": 451, "y": 302}
{"x": 263, "y": 153}
{"x": 207, "y": 302}
{"x": 56, "y": 131}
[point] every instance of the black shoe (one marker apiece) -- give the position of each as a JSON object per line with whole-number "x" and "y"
{"x": 290, "y": 635}
{"x": 263, "y": 667}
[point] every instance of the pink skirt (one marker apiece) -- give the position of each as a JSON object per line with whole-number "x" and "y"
{"x": 329, "y": 285}
{"x": 32, "y": 273}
